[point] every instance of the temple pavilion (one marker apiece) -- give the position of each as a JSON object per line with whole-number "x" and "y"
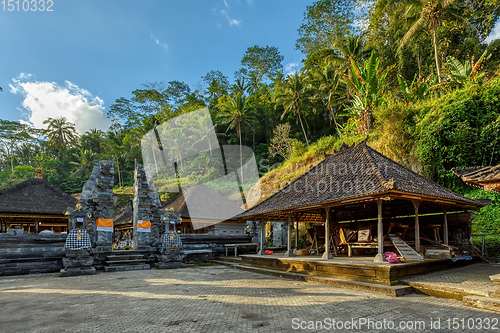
{"x": 34, "y": 205}
{"x": 358, "y": 188}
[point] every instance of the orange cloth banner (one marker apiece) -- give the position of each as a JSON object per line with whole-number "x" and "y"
{"x": 144, "y": 224}
{"x": 106, "y": 223}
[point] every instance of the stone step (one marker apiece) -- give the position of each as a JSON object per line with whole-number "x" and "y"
{"x": 125, "y": 261}
{"x": 393, "y": 291}
{"x": 124, "y": 257}
{"x": 126, "y": 268}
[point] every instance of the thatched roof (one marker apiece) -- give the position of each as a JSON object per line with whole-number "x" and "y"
{"x": 208, "y": 204}
{"x": 486, "y": 177}
{"x": 353, "y": 175}
{"x": 35, "y": 196}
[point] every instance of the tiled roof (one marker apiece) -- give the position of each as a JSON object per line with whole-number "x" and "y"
{"x": 353, "y": 172}
{"x": 487, "y": 177}
{"x": 35, "y": 196}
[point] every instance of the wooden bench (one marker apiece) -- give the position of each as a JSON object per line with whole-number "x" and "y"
{"x": 363, "y": 245}
{"x": 247, "y": 245}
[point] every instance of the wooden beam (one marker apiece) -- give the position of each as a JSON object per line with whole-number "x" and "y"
{"x": 289, "y": 252}
{"x": 380, "y": 233}
{"x": 417, "y": 226}
{"x": 262, "y": 237}
{"x": 445, "y": 226}
{"x": 297, "y": 233}
{"x": 327, "y": 255}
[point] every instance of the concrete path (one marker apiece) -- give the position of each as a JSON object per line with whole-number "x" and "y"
{"x": 216, "y": 299}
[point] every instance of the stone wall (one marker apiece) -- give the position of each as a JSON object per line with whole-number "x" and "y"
{"x": 31, "y": 253}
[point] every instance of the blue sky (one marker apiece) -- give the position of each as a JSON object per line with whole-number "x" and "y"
{"x": 76, "y": 60}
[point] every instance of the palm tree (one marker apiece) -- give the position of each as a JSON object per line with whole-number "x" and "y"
{"x": 347, "y": 49}
{"x": 293, "y": 93}
{"x": 86, "y": 161}
{"x": 431, "y": 14}
{"x": 60, "y": 132}
{"x": 240, "y": 86}
{"x": 332, "y": 88}
{"x": 237, "y": 112}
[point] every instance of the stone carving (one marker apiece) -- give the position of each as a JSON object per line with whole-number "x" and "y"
{"x": 279, "y": 234}
{"x": 78, "y": 249}
{"x": 170, "y": 247}
{"x": 252, "y": 229}
{"x": 147, "y": 212}
{"x": 95, "y": 207}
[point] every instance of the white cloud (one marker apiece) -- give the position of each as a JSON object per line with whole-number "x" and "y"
{"x": 162, "y": 45}
{"x": 250, "y": 2}
{"x": 48, "y": 99}
{"x": 225, "y": 2}
{"x": 291, "y": 68}
{"x": 495, "y": 34}
{"x": 230, "y": 20}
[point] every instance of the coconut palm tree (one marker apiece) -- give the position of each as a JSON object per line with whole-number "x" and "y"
{"x": 86, "y": 161}
{"x": 294, "y": 94}
{"x": 347, "y": 49}
{"x": 333, "y": 89}
{"x": 237, "y": 112}
{"x": 60, "y": 132}
{"x": 430, "y": 14}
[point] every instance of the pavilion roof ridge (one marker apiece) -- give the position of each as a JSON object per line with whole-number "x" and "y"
{"x": 389, "y": 184}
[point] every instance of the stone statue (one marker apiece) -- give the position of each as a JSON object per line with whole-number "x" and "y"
{"x": 171, "y": 243}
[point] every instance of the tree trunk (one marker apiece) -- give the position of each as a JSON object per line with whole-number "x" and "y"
{"x": 302, "y": 125}
{"x": 241, "y": 154}
{"x": 434, "y": 42}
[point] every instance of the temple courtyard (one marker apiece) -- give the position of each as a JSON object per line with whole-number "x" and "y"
{"x": 215, "y": 298}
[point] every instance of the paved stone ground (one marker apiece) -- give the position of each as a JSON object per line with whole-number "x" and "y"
{"x": 473, "y": 278}
{"x": 207, "y": 299}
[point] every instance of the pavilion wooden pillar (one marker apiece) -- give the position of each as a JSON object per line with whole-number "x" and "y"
{"x": 417, "y": 226}
{"x": 327, "y": 255}
{"x": 262, "y": 237}
{"x": 289, "y": 252}
{"x": 297, "y": 234}
{"x": 380, "y": 234}
{"x": 445, "y": 226}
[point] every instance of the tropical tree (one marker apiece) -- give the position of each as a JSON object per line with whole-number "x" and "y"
{"x": 261, "y": 61}
{"x": 430, "y": 14}
{"x": 332, "y": 89}
{"x": 416, "y": 89}
{"x": 60, "y": 132}
{"x": 235, "y": 113}
{"x": 367, "y": 85}
{"x": 460, "y": 74}
{"x": 294, "y": 94}
{"x": 12, "y": 135}
{"x": 343, "y": 51}
{"x": 86, "y": 161}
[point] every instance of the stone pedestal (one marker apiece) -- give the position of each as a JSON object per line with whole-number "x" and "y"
{"x": 77, "y": 262}
{"x": 170, "y": 258}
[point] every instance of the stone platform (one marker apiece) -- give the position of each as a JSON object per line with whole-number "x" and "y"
{"x": 361, "y": 269}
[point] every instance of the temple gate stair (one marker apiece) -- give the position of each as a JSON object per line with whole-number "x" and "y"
{"x": 126, "y": 261}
